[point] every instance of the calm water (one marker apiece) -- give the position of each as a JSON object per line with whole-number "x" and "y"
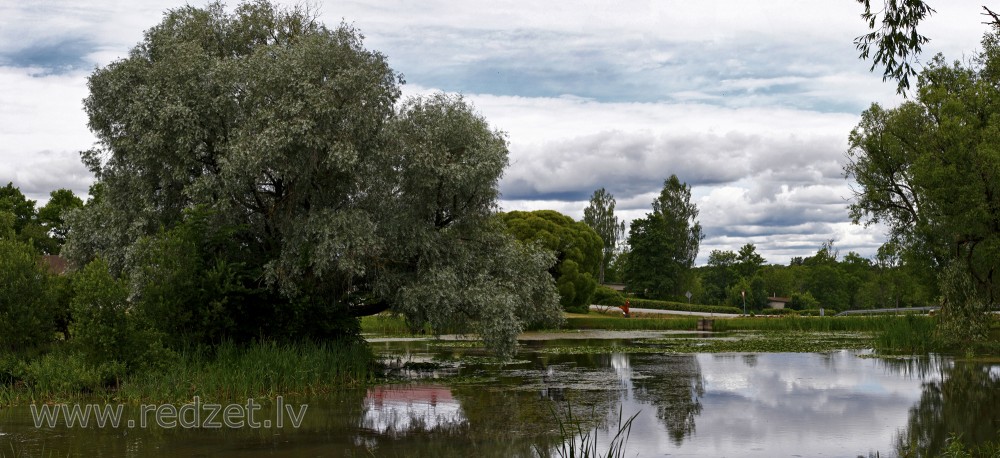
{"x": 719, "y": 405}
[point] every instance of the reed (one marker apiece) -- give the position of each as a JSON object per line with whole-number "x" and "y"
{"x": 580, "y": 442}
{"x": 265, "y": 369}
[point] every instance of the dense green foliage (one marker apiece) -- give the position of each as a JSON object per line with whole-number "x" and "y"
{"x": 29, "y": 312}
{"x": 258, "y": 177}
{"x": 929, "y": 170}
{"x": 577, "y": 247}
{"x": 825, "y": 279}
{"x": 44, "y": 228}
{"x": 664, "y": 244}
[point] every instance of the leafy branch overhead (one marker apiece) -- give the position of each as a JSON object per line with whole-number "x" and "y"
{"x": 894, "y": 38}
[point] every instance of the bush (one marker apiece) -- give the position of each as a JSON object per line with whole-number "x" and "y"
{"x": 105, "y": 329}
{"x": 802, "y": 301}
{"x": 28, "y": 314}
{"x": 607, "y": 296}
{"x": 69, "y": 373}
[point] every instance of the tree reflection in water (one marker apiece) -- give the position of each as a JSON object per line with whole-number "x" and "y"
{"x": 964, "y": 401}
{"x": 673, "y": 384}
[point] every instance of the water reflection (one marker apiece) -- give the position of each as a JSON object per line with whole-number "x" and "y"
{"x": 963, "y": 400}
{"x": 674, "y": 386}
{"x": 399, "y": 410}
{"x": 749, "y": 405}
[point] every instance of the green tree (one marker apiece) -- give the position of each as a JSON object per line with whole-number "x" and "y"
{"x": 577, "y": 247}
{"x": 52, "y": 216}
{"x": 28, "y": 314}
{"x": 929, "y": 168}
{"x": 748, "y": 261}
{"x": 346, "y": 201}
{"x": 600, "y": 216}
{"x": 106, "y": 329}
{"x": 23, "y": 209}
{"x": 26, "y": 224}
{"x": 664, "y": 244}
{"x": 719, "y": 275}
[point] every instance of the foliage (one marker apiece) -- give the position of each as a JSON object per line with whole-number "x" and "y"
{"x": 909, "y": 334}
{"x": 802, "y": 301}
{"x": 28, "y": 314}
{"x": 26, "y": 225}
{"x": 664, "y": 244}
{"x": 965, "y": 315}
{"x": 600, "y": 216}
{"x": 232, "y": 372}
{"x": 52, "y": 216}
{"x": 346, "y": 202}
{"x": 896, "y": 40}
{"x": 577, "y": 248}
{"x": 65, "y": 374}
{"x": 928, "y": 169}
{"x": 106, "y": 330}
{"x": 192, "y": 286}
{"x": 607, "y": 296}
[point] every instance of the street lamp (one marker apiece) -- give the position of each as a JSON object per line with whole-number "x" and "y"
{"x": 744, "y": 294}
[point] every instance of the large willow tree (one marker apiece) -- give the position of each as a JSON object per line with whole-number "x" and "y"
{"x": 930, "y": 171}
{"x": 273, "y": 152}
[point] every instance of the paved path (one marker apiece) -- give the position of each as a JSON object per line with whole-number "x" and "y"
{"x": 604, "y": 308}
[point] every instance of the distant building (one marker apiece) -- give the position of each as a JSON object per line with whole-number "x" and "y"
{"x": 620, "y": 287}
{"x": 778, "y": 302}
{"x": 55, "y": 264}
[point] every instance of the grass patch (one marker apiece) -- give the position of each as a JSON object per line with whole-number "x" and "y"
{"x": 631, "y": 324}
{"x": 385, "y": 324}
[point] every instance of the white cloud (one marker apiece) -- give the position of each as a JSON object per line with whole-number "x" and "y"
{"x": 751, "y": 102}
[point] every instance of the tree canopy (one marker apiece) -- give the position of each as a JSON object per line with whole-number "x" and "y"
{"x": 336, "y": 201}
{"x": 576, "y": 246}
{"x": 664, "y": 244}
{"x": 929, "y": 170}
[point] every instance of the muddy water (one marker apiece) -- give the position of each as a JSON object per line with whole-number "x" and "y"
{"x": 449, "y": 399}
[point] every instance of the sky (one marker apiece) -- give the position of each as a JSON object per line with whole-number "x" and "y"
{"x": 748, "y": 102}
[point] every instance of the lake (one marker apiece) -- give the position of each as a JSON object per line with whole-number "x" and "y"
{"x": 448, "y": 398}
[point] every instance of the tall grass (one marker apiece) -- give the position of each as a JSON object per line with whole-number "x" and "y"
{"x": 385, "y": 324}
{"x": 226, "y": 372}
{"x": 266, "y": 369}
{"x": 631, "y": 324}
{"x": 910, "y": 334}
{"x": 793, "y": 323}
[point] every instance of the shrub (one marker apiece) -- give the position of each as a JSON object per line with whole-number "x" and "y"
{"x": 802, "y": 301}
{"x": 27, "y": 312}
{"x": 607, "y": 296}
{"x": 69, "y": 373}
{"x": 105, "y": 329}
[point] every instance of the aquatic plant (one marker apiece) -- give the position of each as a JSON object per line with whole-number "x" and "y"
{"x": 580, "y": 442}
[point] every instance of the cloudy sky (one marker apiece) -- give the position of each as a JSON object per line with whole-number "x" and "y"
{"x": 749, "y": 102}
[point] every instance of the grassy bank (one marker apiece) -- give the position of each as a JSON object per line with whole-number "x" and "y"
{"x": 226, "y": 373}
